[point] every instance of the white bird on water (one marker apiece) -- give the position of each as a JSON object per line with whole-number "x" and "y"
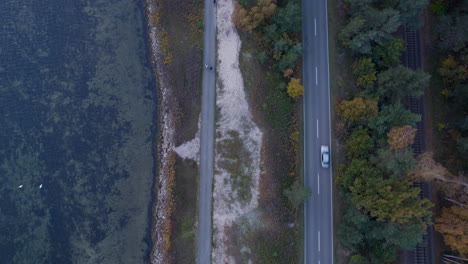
{"x": 21, "y": 186}
{"x": 40, "y": 186}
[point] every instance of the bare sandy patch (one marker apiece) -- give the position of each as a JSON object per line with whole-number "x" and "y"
{"x": 190, "y": 149}
{"x": 238, "y": 142}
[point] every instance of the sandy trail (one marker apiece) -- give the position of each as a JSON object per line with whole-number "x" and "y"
{"x": 234, "y": 119}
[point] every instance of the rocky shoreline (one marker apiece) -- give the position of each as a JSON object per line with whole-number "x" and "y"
{"x": 162, "y": 210}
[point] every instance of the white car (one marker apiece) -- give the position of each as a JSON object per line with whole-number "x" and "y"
{"x": 325, "y": 156}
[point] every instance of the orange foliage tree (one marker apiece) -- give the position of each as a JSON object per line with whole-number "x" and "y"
{"x": 287, "y": 73}
{"x": 453, "y": 225}
{"x": 247, "y": 19}
{"x": 401, "y": 137}
{"x": 453, "y": 222}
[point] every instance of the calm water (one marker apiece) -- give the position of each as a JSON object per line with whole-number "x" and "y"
{"x": 77, "y": 115}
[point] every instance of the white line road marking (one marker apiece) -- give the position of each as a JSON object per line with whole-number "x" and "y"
{"x": 317, "y": 129}
{"x": 316, "y": 76}
{"x": 318, "y": 184}
{"x": 319, "y": 240}
{"x": 315, "y": 26}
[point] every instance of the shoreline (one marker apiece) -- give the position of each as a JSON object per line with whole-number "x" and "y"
{"x": 162, "y": 211}
{"x": 176, "y": 57}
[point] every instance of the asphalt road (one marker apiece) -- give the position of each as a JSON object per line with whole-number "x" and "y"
{"x": 207, "y": 136}
{"x": 318, "y": 211}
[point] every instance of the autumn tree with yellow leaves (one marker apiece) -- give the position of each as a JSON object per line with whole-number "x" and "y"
{"x": 357, "y": 109}
{"x": 453, "y": 72}
{"x": 295, "y": 89}
{"x": 365, "y": 72}
{"x": 390, "y": 200}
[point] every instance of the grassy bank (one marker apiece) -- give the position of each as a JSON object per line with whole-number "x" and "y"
{"x": 279, "y": 240}
{"x": 181, "y": 41}
{"x": 185, "y": 216}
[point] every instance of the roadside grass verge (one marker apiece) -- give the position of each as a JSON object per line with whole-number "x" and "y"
{"x": 269, "y": 103}
{"x": 183, "y": 43}
{"x": 341, "y": 85}
{"x": 185, "y": 40}
{"x": 185, "y": 214}
{"x": 277, "y": 240}
{"x": 300, "y": 173}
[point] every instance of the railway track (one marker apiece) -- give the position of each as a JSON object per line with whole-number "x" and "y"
{"x": 416, "y": 105}
{"x": 411, "y": 58}
{"x": 423, "y": 251}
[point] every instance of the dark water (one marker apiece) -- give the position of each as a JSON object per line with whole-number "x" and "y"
{"x": 78, "y": 115}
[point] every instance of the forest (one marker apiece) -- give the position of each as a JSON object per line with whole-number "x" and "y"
{"x": 383, "y": 211}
